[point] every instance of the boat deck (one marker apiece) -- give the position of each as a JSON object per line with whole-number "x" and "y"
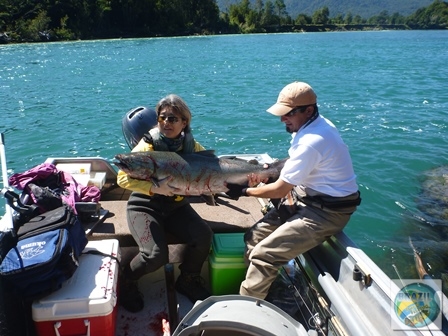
{"x": 226, "y": 216}
{"x": 238, "y": 216}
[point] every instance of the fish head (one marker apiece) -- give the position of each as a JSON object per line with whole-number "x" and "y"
{"x": 272, "y": 170}
{"x": 137, "y": 165}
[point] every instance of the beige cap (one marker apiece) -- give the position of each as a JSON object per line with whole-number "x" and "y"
{"x": 293, "y": 95}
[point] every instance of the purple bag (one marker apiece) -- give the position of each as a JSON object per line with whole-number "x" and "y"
{"x": 45, "y": 184}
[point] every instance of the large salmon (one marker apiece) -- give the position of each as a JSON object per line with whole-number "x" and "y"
{"x": 199, "y": 173}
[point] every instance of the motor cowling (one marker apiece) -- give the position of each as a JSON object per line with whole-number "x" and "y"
{"x": 136, "y": 123}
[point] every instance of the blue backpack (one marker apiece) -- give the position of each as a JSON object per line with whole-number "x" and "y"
{"x": 46, "y": 253}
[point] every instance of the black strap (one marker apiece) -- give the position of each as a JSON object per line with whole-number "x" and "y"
{"x": 96, "y": 252}
{"x": 333, "y": 204}
{"x": 15, "y": 203}
{"x": 312, "y": 118}
{"x": 148, "y": 138}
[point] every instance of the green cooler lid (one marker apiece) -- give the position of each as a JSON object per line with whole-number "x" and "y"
{"x": 228, "y": 245}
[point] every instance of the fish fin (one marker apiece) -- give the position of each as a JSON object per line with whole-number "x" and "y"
{"x": 155, "y": 182}
{"x": 208, "y": 152}
{"x": 223, "y": 195}
{"x": 278, "y": 164}
{"x": 209, "y": 199}
{"x": 251, "y": 161}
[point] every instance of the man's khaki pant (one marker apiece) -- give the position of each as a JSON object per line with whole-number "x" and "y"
{"x": 271, "y": 244}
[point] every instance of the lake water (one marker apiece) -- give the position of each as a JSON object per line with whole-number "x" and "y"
{"x": 386, "y": 91}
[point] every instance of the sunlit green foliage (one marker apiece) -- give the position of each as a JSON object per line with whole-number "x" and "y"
{"x": 44, "y": 20}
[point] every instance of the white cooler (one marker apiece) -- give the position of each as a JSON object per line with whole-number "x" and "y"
{"x": 87, "y": 302}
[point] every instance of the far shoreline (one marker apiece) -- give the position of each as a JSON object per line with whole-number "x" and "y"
{"x": 309, "y": 28}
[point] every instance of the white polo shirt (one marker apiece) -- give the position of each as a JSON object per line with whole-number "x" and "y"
{"x": 319, "y": 159}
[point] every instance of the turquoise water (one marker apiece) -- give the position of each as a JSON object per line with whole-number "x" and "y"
{"x": 386, "y": 91}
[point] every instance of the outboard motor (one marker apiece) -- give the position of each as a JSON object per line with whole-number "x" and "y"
{"x": 136, "y": 123}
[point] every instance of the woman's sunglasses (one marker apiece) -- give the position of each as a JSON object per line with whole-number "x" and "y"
{"x": 170, "y": 119}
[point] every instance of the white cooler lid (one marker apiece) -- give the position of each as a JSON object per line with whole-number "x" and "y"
{"x": 91, "y": 291}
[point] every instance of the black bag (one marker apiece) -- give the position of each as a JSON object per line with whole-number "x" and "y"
{"x": 46, "y": 253}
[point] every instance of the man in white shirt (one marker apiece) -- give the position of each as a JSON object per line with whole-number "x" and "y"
{"x": 317, "y": 190}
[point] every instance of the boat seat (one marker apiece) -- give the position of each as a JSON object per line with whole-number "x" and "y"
{"x": 239, "y": 316}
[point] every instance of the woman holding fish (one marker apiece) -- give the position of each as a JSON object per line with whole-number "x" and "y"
{"x": 154, "y": 209}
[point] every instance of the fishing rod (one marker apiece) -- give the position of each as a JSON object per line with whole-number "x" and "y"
{"x": 8, "y": 236}
{"x": 12, "y": 200}
{"x": 426, "y": 277}
{"x": 315, "y": 318}
{"x": 422, "y": 316}
{"x": 8, "y": 220}
{"x": 317, "y": 323}
{"x": 8, "y": 239}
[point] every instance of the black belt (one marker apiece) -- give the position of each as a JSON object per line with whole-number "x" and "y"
{"x": 332, "y": 203}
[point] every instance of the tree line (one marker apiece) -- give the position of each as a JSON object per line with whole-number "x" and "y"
{"x": 61, "y": 20}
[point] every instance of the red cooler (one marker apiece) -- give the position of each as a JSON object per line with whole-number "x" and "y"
{"x": 87, "y": 302}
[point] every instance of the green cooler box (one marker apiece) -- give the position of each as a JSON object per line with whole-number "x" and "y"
{"x": 226, "y": 261}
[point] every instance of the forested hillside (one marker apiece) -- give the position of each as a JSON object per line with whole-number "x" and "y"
{"x": 363, "y": 8}
{"x": 62, "y": 20}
